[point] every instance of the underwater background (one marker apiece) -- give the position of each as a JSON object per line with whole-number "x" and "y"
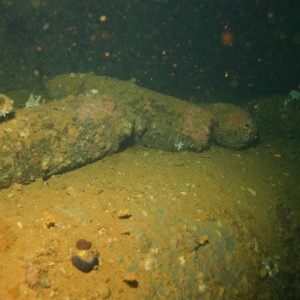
{"x": 149, "y": 149}
{"x": 197, "y": 50}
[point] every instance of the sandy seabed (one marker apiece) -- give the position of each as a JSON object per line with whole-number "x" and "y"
{"x": 209, "y": 225}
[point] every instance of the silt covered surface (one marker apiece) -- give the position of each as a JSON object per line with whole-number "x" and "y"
{"x": 210, "y": 225}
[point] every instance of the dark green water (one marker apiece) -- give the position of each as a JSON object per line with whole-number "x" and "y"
{"x": 197, "y": 50}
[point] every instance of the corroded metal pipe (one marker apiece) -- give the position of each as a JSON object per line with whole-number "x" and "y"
{"x": 92, "y": 116}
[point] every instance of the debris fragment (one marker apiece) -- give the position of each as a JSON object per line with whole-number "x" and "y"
{"x": 203, "y": 240}
{"x": 49, "y": 220}
{"x": 131, "y": 280}
{"x": 124, "y": 214}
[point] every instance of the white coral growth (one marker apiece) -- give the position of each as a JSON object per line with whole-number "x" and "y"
{"x": 33, "y": 101}
{"x": 6, "y": 105}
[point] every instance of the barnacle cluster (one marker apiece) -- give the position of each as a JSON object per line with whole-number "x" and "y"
{"x": 6, "y": 105}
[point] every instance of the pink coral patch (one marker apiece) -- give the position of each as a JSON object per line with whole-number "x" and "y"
{"x": 195, "y": 122}
{"x": 91, "y": 108}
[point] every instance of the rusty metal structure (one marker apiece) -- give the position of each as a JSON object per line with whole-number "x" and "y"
{"x": 87, "y": 117}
